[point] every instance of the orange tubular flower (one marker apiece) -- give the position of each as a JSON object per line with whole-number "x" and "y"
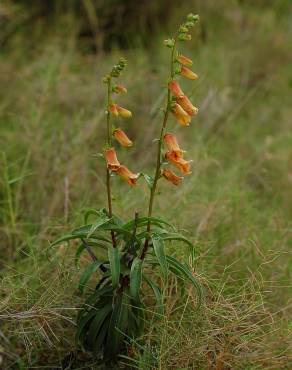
{"x": 122, "y": 138}
{"x": 172, "y": 145}
{"x": 180, "y": 163}
{"x": 113, "y": 109}
{"x": 127, "y": 175}
{"x": 184, "y": 61}
{"x": 175, "y": 89}
{"x": 186, "y": 72}
{"x": 181, "y": 115}
{"x": 125, "y": 113}
{"x": 120, "y": 89}
{"x": 172, "y": 177}
{"x": 111, "y": 159}
{"x": 185, "y": 103}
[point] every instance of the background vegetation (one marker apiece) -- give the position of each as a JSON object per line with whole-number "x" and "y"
{"x": 236, "y": 206}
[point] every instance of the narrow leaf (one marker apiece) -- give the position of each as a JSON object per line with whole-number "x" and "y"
{"x": 184, "y": 272}
{"x": 157, "y": 293}
{"x": 158, "y": 246}
{"x": 90, "y": 269}
{"x": 96, "y": 323}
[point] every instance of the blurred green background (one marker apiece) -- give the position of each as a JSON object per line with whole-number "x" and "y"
{"x": 236, "y": 206}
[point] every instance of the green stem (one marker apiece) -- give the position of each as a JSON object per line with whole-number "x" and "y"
{"x": 159, "y": 149}
{"x": 109, "y": 143}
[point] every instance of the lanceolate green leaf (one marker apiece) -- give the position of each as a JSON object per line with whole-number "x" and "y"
{"x": 158, "y": 246}
{"x": 97, "y": 225}
{"x": 98, "y": 213}
{"x": 83, "y": 322}
{"x": 96, "y": 324}
{"x": 90, "y": 269}
{"x": 78, "y": 234}
{"x": 114, "y": 260}
{"x": 157, "y": 293}
{"x": 142, "y": 221}
{"x": 135, "y": 278}
{"x": 117, "y": 326}
{"x": 184, "y": 272}
{"x": 178, "y": 237}
{"x": 78, "y": 253}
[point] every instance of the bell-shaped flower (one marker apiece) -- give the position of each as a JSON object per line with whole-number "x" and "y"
{"x": 113, "y": 109}
{"x": 120, "y": 89}
{"x": 175, "y": 89}
{"x": 181, "y": 115}
{"x": 171, "y": 176}
{"x": 123, "y": 112}
{"x": 185, "y": 61}
{"x": 180, "y": 163}
{"x": 186, "y": 72}
{"x": 111, "y": 159}
{"x": 172, "y": 144}
{"x": 127, "y": 175}
{"x": 186, "y": 104}
{"x": 122, "y": 138}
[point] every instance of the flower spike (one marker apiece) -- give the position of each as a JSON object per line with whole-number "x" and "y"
{"x": 111, "y": 159}
{"x": 185, "y": 103}
{"x": 180, "y": 163}
{"x": 122, "y": 138}
{"x": 127, "y": 175}
{"x": 181, "y": 115}
{"x": 172, "y": 177}
{"x": 186, "y": 72}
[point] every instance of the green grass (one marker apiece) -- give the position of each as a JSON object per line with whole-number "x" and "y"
{"x": 236, "y": 206}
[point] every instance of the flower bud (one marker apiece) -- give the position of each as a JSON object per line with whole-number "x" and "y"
{"x": 183, "y": 29}
{"x": 180, "y": 163}
{"x": 123, "y": 112}
{"x": 111, "y": 159}
{"x": 122, "y": 138}
{"x": 113, "y": 109}
{"x": 106, "y": 79}
{"x": 127, "y": 175}
{"x": 193, "y": 17}
{"x": 120, "y": 89}
{"x": 169, "y": 43}
{"x": 171, "y": 176}
{"x": 185, "y": 103}
{"x": 184, "y": 37}
{"x": 184, "y": 60}
{"x": 186, "y": 72}
{"x": 122, "y": 62}
{"x": 175, "y": 89}
{"x": 172, "y": 145}
{"x": 181, "y": 115}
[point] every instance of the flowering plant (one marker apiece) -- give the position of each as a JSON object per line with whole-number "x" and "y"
{"x": 115, "y": 311}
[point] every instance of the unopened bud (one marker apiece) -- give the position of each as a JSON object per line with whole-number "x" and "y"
{"x": 169, "y": 43}
{"x": 105, "y": 79}
{"x": 183, "y": 29}
{"x": 193, "y": 17}
{"x": 184, "y": 37}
